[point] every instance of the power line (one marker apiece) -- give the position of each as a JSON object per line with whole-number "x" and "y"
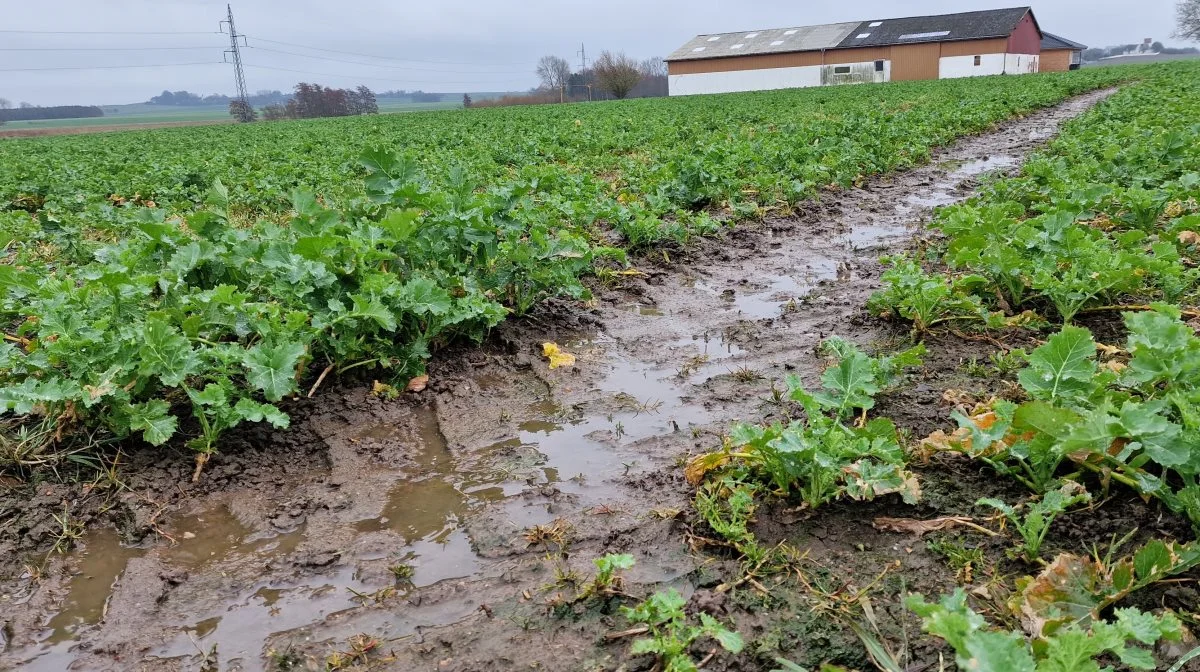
{"x": 383, "y": 58}
{"x": 112, "y": 67}
{"x": 390, "y": 67}
{"x": 383, "y": 79}
{"x": 110, "y": 32}
{"x": 104, "y": 48}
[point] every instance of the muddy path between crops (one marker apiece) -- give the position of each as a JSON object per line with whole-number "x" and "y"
{"x": 290, "y": 542}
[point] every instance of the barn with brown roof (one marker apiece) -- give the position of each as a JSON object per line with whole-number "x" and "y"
{"x": 967, "y": 44}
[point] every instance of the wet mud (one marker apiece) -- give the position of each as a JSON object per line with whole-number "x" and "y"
{"x": 441, "y": 525}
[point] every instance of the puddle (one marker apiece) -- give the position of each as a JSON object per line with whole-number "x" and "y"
{"x": 943, "y": 192}
{"x": 88, "y": 591}
{"x": 211, "y": 538}
{"x": 871, "y": 236}
{"x": 714, "y": 347}
{"x": 239, "y": 630}
{"x": 644, "y": 310}
{"x": 637, "y": 400}
{"x": 769, "y": 302}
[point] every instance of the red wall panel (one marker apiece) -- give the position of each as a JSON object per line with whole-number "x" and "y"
{"x": 1026, "y": 39}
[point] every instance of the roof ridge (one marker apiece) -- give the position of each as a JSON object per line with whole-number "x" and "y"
{"x": 862, "y": 21}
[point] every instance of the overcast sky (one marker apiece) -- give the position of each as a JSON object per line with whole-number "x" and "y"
{"x": 451, "y": 45}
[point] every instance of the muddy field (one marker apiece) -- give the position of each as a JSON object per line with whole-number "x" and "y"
{"x": 408, "y": 522}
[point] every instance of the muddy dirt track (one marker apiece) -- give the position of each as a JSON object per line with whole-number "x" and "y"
{"x": 290, "y": 542}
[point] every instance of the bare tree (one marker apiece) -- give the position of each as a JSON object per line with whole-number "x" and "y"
{"x": 617, "y": 73}
{"x": 654, "y": 67}
{"x": 1187, "y": 15}
{"x": 5, "y": 104}
{"x": 553, "y": 71}
{"x": 654, "y": 79}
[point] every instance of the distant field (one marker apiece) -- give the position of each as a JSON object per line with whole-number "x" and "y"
{"x": 144, "y": 114}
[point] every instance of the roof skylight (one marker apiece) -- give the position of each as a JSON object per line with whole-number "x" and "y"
{"x": 918, "y": 36}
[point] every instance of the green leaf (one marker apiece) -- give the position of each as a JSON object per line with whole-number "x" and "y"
{"x": 154, "y": 420}
{"x": 1137, "y": 658}
{"x": 1153, "y": 559}
{"x": 996, "y": 651}
{"x": 165, "y": 353}
{"x": 1159, "y": 437}
{"x": 370, "y": 308}
{"x": 272, "y": 368}
{"x": 423, "y": 296}
{"x": 1164, "y": 348}
{"x": 1062, "y": 368}
{"x": 1145, "y": 628}
{"x": 1071, "y": 650}
{"x": 729, "y": 640}
{"x": 1044, "y": 418}
{"x": 400, "y": 224}
{"x": 253, "y": 411}
{"x": 849, "y": 385}
{"x": 212, "y": 395}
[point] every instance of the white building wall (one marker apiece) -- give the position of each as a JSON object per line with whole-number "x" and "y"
{"x": 1021, "y": 64}
{"x": 952, "y": 67}
{"x": 744, "y": 80}
{"x": 768, "y": 79}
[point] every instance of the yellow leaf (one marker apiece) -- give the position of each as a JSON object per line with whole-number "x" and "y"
{"x": 557, "y": 356}
{"x": 417, "y": 384}
{"x": 699, "y": 466}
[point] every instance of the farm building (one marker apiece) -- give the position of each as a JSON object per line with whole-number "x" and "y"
{"x": 1060, "y": 54}
{"x": 993, "y": 42}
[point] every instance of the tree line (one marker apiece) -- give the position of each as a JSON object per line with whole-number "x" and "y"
{"x": 312, "y": 101}
{"x": 28, "y": 112}
{"x": 182, "y": 98}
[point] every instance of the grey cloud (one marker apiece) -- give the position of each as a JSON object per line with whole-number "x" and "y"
{"x": 493, "y": 45}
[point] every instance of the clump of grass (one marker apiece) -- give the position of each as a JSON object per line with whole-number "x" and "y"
{"x": 744, "y": 374}
{"x": 964, "y": 560}
{"x": 555, "y": 535}
{"x": 403, "y": 572}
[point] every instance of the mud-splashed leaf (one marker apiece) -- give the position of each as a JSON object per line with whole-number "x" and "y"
{"x": 867, "y": 479}
{"x": 557, "y": 356}
{"x": 1065, "y": 593}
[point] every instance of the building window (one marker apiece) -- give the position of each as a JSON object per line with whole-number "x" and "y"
{"x": 878, "y": 66}
{"x": 978, "y": 60}
{"x": 841, "y": 70}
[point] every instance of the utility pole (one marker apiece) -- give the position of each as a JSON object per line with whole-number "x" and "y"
{"x": 582, "y": 54}
{"x": 235, "y": 48}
